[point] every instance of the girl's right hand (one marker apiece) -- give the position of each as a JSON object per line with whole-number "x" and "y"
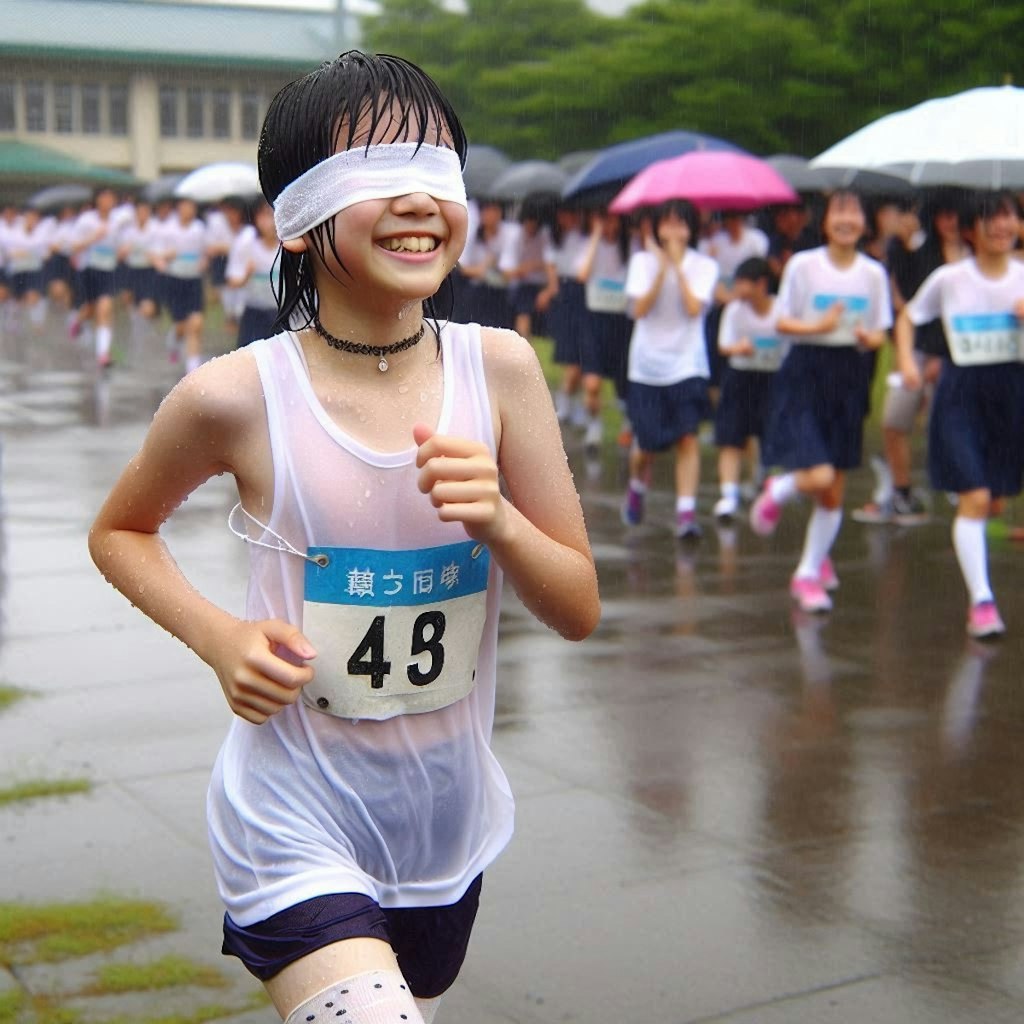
{"x": 260, "y": 667}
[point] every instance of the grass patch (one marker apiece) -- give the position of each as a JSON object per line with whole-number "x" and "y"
{"x": 36, "y": 789}
{"x": 50, "y": 932}
{"x": 167, "y": 972}
{"x": 10, "y": 695}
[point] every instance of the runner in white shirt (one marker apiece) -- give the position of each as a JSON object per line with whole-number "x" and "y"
{"x": 670, "y": 286}
{"x": 977, "y": 422}
{"x": 749, "y": 338}
{"x": 834, "y": 303}
{"x": 183, "y": 261}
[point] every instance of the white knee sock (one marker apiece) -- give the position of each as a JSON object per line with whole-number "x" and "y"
{"x": 821, "y": 534}
{"x": 783, "y": 488}
{"x": 972, "y": 554}
{"x": 376, "y": 997}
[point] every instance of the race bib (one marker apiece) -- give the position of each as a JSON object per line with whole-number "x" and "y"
{"x": 985, "y": 338}
{"x": 767, "y": 357}
{"x": 606, "y": 295}
{"x": 854, "y": 311}
{"x": 396, "y": 632}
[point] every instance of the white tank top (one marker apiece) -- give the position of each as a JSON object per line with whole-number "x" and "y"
{"x": 407, "y": 810}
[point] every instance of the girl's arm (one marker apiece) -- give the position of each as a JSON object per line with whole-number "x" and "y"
{"x": 537, "y": 535}
{"x": 202, "y": 429}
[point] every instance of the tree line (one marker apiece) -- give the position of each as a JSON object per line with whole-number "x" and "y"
{"x": 541, "y": 78}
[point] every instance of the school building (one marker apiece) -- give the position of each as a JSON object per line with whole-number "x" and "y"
{"x": 146, "y": 87}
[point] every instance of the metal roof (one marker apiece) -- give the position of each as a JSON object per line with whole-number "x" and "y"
{"x": 169, "y": 33}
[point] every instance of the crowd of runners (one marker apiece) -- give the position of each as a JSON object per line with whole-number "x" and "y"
{"x": 760, "y": 332}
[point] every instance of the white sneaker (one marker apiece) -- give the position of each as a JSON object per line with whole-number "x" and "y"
{"x": 726, "y": 508}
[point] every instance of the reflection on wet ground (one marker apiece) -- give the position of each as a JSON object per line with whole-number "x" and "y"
{"x": 728, "y": 811}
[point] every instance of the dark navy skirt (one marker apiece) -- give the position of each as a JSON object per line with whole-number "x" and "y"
{"x": 818, "y": 404}
{"x": 568, "y": 320}
{"x": 604, "y": 347}
{"x": 743, "y": 406}
{"x": 976, "y": 430}
{"x": 662, "y": 415}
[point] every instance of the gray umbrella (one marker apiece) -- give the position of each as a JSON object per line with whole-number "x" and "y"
{"x": 529, "y": 178}
{"x": 483, "y": 165}
{"x": 58, "y": 196}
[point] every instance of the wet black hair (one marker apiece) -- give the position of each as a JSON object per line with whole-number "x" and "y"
{"x": 684, "y": 210}
{"x": 754, "y": 268}
{"x": 985, "y": 205}
{"x": 317, "y": 116}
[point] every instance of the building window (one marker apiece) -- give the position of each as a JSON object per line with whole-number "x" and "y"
{"x": 63, "y": 107}
{"x": 35, "y": 106}
{"x": 91, "y": 108}
{"x": 195, "y": 106}
{"x": 8, "y": 117}
{"x": 168, "y": 111}
{"x": 221, "y": 114}
{"x": 117, "y": 109}
{"x": 252, "y": 114}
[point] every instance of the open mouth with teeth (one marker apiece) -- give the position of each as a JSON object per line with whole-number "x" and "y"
{"x": 411, "y": 243}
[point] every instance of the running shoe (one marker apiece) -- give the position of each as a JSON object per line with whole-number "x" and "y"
{"x": 983, "y": 621}
{"x": 726, "y": 508}
{"x": 809, "y": 594}
{"x": 687, "y": 527}
{"x": 633, "y": 507}
{"x": 765, "y": 512}
{"x": 874, "y": 512}
{"x": 594, "y": 433}
{"x": 827, "y": 575}
{"x": 908, "y": 511}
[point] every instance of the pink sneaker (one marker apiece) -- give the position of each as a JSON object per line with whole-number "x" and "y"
{"x": 827, "y": 575}
{"x": 809, "y": 594}
{"x": 983, "y": 621}
{"x": 765, "y": 512}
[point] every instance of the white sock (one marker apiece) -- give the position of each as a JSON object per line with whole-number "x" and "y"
{"x": 972, "y": 554}
{"x": 783, "y": 488}
{"x": 821, "y": 534}
{"x": 104, "y": 335}
{"x": 686, "y": 503}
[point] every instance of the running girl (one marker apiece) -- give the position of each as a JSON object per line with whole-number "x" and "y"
{"x": 356, "y": 800}
{"x": 834, "y": 302}
{"x": 974, "y": 437}
{"x": 670, "y": 286}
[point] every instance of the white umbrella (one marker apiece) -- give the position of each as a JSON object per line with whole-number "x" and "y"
{"x": 974, "y": 139}
{"x": 215, "y": 182}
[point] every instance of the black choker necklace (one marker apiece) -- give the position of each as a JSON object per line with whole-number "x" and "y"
{"x": 381, "y": 351}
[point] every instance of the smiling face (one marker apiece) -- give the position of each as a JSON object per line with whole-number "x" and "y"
{"x": 398, "y": 248}
{"x": 844, "y": 220}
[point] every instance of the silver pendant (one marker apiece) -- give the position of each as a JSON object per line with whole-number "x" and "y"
{"x": 382, "y": 365}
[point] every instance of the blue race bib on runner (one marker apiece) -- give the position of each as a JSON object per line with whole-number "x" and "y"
{"x": 396, "y": 632}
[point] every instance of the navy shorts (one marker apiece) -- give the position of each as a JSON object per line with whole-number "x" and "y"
{"x": 523, "y": 297}
{"x": 567, "y": 321}
{"x": 429, "y": 942}
{"x": 975, "y": 430}
{"x": 184, "y": 296}
{"x": 256, "y": 323}
{"x": 743, "y": 406}
{"x": 662, "y": 415}
{"x": 96, "y": 283}
{"x": 817, "y": 415}
{"x": 604, "y": 347}
{"x": 58, "y": 268}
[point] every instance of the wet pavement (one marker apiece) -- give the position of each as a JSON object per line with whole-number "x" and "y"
{"x": 726, "y": 811}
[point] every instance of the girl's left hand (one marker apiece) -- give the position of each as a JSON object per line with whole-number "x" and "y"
{"x": 461, "y": 479}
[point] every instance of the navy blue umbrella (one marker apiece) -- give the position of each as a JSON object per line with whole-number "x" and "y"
{"x": 614, "y": 166}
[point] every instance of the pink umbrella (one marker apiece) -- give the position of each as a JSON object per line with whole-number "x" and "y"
{"x": 709, "y": 179}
